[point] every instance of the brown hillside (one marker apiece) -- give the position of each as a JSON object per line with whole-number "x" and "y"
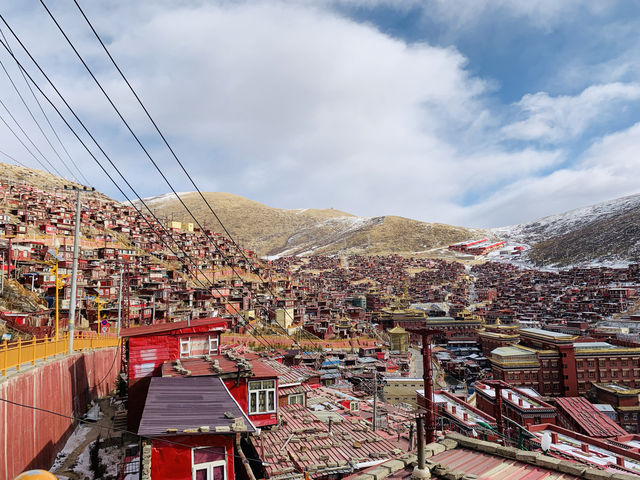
{"x": 272, "y": 231}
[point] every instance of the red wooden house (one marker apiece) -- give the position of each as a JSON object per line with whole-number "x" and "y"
{"x": 192, "y": 428}
{"x": 150, "y": 346}
{"x": 252, "y": 382}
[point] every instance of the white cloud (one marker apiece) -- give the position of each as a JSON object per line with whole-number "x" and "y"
{"x": 608, "y": 169}
{"x": 562, "y": 118}
{"x": 295, "y": 105}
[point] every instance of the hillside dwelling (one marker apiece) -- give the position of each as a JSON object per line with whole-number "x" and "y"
{"x": 150, "y": 346}
{"x": 192, "y": 428}
{"x": 252, "y": 382}
{"x": 48, "y": 229}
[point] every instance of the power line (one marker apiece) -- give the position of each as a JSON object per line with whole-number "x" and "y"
{"x": 23, "y": 144}
{"x": 30, "y": 141}
{"x": 238, "y": 248}
{"x": 34, "y": 119}
{"x": 11, "y": 158}
{"x": 47, "y": 117}
{"x": 109, "y": 159}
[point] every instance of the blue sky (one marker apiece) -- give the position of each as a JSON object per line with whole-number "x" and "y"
{"x": 470, "y": 112}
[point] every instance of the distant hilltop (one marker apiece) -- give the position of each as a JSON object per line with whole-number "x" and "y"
{"x": 603, "y": 233}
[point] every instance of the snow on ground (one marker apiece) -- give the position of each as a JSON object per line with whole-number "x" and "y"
{"x": 77, "y": 437}
{"x": 111, "y": 457}
{"x": 160, "y": 199}
{"x": 564, "y": 222}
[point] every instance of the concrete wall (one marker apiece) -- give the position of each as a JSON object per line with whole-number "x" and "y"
{"x": 30, "y": 438}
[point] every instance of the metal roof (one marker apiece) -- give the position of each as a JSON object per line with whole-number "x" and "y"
{"x": 168, "y": 327}
{"x": 591, "y": 420}
{"x": 492, "y": 467}
{"x": 186, "y": 404}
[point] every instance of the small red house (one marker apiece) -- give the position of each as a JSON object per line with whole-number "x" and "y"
{"x": 192, "y": 428}
{"x": 150, "y": 346}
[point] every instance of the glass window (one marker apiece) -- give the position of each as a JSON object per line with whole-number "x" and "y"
{"x": 296, "y": 399}
{"x": 185, "y": 347}
{"x": 262, "y": 396}
{"x": 213, "y": 345}
{"x": 208, "y": 463}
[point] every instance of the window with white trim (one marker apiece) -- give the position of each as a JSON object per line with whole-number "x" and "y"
{"x": 355, "y": 406}
{"x": 208, "y": 463}
{"x": 198, "y": 346}
{"x": 296, "y": 399}
{"x": 213, "y": 345}
{"x": 262, "y": 396}
{"x": 185, "y": 347}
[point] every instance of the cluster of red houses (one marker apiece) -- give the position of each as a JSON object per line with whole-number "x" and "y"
{"x": 210, "y": 412}
{"x": 477, "y": 247}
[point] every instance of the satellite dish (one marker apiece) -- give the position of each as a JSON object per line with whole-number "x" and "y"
{"x": 546, "y": 441}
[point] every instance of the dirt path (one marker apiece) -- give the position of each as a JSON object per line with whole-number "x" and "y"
{"x": 102, "y": 427}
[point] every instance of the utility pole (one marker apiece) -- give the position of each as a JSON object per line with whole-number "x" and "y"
{"x": 498, "y": 385}
{"x": 74, "y": 268}
{"x": 430, "y": 417}
{"x": 374, "y": 422}
{"x": 119, "y": 304}
{"x": 420, "y": 471}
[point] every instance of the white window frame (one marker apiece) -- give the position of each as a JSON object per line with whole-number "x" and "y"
{"x": 301, "y": 396}
{"x": 269, "y": 392}
{"x": 209, "y": 465}
{"x": 213, "y": 339}
{"x": 185, "y": 342}
{"x": 354, "y": 406}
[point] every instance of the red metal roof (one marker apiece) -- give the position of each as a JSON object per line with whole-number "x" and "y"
{"x": 303, "y": 442}
{"x": 204, "y": 367}
{"x": 592, "y": 421}
{"x": 168, "y": 327}
{"x": 491, "y": 467}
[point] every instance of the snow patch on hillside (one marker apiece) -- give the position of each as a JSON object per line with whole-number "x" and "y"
{"x": 331, "y": 231}
{"x": 162, "y": 199}
{"x": 562, "y": 223}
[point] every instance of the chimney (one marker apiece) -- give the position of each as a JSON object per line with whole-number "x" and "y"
{"x": 453, "y": 409}
{"x": 465, "y": 416}
{"x": 584, "y": 447}
{"x": 620, "y": 461}
{"x": 554, "y": 437}
{"x": 510, "y": 396}
{"x": 520, "y": 401}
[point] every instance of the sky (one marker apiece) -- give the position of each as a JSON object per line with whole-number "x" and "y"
{"x": 468, "y": 112}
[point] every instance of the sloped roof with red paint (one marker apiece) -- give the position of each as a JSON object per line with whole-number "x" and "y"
{"x": 592, "y": 421}
{"x": 492, "y": 467}
{"x": 173, "y": 326}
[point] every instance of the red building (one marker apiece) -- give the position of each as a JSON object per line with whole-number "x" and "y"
{"x": 253, "y": 384}
{"x": 519, "y": 405}
{"x": 624, "y": 400}
{"x": 559, "y": 364}
{"x": 192, "y": 428}
{"x": 149, "y": 347}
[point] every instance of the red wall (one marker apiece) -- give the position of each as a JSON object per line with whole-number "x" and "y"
{"x": 241, "y": 394}
{"x": 31, "y": 439}
{"x": 173, "y": 462}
